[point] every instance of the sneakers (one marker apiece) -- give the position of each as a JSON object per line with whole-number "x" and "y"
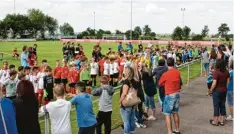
{"x": 175, "y": 132}
{"x": 229, "y": 118}
{"x": 152, "y": 118}
{"x": 139, "y": 125}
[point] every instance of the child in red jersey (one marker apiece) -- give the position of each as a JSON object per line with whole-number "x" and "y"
{"x": 73, "y": 77}
{"x": 101, "y": 66}
{"x": 31, "y": 57}
{"x": 57, "y": 73}
{"x": 64, "y": 75}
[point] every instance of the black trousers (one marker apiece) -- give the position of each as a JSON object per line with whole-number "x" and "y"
{"x": 103, "y": 118}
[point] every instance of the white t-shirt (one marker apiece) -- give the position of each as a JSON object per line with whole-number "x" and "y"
{"x": 27, "y": 77}
{"x": 116, "y": 67}
{"x": 4, "y": 74}
{"x": 169, "y": 55}
{"x": 174, "y": 57}
{"x": 10, "y": 87}
{"x": 111, "y": 68}
{"x": 94, "y": 68}
{"x": 40, "y": 77}
{"x": 59, "y": 112}
{"x": 106, "y": 68}
{"x": 34, "y": 80}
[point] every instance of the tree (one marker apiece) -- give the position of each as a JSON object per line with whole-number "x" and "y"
{"x": 100, "y": 33}
{"x": 51, "y": 25}
{"x": 223, "y": 30}
{"x": 17, "y": 23}
{"x": 177, "y": 33}
{"x": 107, "y": 32}
{"x": 66, "y": 29}
{"x": 138, "y": 32}
{"x": 197, "y": 37}
{"x": 153, "y": 34}
{"x": 118, "y": 31}
{"x": 128, "y": 34}
{"x": 205, "y": 31}
{"x": 146, "y": 30}
{"x": 186, "y": 32}
{"x": 3, "y": 30}
{"x": 37, "y": 18}
{"x": 90, "y": 31}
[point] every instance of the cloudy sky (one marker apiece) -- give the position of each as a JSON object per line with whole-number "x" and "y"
{"x": 161, "y": 15}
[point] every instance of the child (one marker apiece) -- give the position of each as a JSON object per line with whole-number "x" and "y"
{"x": 4, "y": 72}
{"x": 20, "y": 69}
{"x": 11, "y": 67}
{"x": 10, "y": 85}
{"x": 85, "y": 77}
{"x": 116, "y": 72}
{"x": 57, "y": 73}
{"x": 111, "y": 71}
{"x": 101, "y": 66}
{"x": 209, "y": 80}
{"x": 27, "y": 71}
{"x": 15, "y": 54}
{"x": 40, "y": 77}
{"x": 73, "y": 78}
{"x": 34, "y": 80}
{"x": 48, "y": 85}
{"x": 105, "y": 93}
{"x": 84, "y": 109}
{"x": 106, "y": 67}
{"x": 64, "y": 75}
{"x": 31, "y": 57}
{"x": 93, "y": 71}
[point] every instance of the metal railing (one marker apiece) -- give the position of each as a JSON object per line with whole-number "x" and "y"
{"x": 182, "y": 68}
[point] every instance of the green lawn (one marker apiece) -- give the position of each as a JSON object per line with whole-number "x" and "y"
{"x": 52, "y": 51}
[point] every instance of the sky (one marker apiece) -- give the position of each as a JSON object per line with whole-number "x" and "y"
{"x": 161, "y": 15}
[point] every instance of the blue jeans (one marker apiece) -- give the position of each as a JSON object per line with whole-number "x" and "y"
{"x": 171, "y": 103}
{"x": 161, "y": 95}
{"x": 219, "y": 99}
{"x": 128, "y": 116}
{"x": 230, "y": 98}
{"x": 149, "y": 102}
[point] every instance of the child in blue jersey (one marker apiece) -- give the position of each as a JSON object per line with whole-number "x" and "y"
{"x": 230, "y": 92}
{"x": 209, "y": 80}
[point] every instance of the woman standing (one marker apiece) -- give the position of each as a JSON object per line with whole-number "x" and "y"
{"x": 128, "y": 113}
{"x": 205, "y": 57}
{"x": 213, "y": 57}
{"x": 26, "y": 108}
{"x": 219, "y": 91}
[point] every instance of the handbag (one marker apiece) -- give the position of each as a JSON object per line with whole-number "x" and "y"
{"x": 131, "y": 98}
{"x": 3, "y": 120}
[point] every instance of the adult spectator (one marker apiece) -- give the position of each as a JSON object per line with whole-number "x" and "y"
{"x": 84, "y": 110}
{"x": 96, "y": 53}
{"x": 24, "y": 57}
{"x": 158, "y": 72}
{"x": 26, "y": 108}
{"x": 7, "y": 116}
{"x": 220, "y": 53}
{"x": 219, "y": 90}
{"x": 150, "y": 91}
{"x": 205, "y": 57}
{"x": 212, "y": 57}
{"x": 59, "y": 112}
{"x": 120, "y": 46}
{"x": 230, "y": 92}
{"x": 128, "y": 113}
{"x": 171, "y": 80}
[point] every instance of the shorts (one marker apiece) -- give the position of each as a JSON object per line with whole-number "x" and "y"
{"x": 171, "y": 103}
{"x": 112, "y": 76}
{"x": 149, "y": 102}
{"x": 57, "y": 81}
{"x": 93, "y": 76}
{"x": 230, "y": 98}
{"x": 64, "y": 81}
{"x": 116, "y": 75}
{"x": 72, "y": 85}
{"x": 206, "y": 66}
{"x": 209, "y": 85}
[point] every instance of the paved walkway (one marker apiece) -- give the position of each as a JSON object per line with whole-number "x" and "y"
{"x": 196, "y": 110}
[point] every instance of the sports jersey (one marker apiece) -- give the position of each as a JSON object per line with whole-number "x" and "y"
{"x": 111, "y": 68}
{"x": 10, "y": 87}
{"x": 106, "y": 68}
{"x": 94, "y": 68}
{"x": 116, "y": 67}
{"x": 4, "y": 74}
{"x": 34, "y": 80}
{"x": 73, "y": 76}
{"x": 57, "y": 72}
{"x": 40, "y": 77}
{"x": 65, "y": 71}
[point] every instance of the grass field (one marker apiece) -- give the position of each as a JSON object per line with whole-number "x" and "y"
{"x": 52, "y": 51}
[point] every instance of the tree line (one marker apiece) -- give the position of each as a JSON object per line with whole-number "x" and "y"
{"x": 35, "y": 23}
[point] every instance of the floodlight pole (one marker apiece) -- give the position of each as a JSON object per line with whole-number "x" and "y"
{"x": 183, "y": 10}
{"x": 131, "y": 22}
{"x": 94, "y": 22}
{"x": 14, "y": 6}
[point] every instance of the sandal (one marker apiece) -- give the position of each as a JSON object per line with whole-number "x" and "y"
{"x": 213, "y": 123}
{"x": 221, "y": 123}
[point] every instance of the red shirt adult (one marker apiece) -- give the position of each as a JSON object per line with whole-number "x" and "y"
{"x": 57, "y": 72}
{"x": 101, "y": 64}
{"x": 221, "y": 78}
{"x": 171, "y": 81}
{"x": 65, "y": 72}
{"x": 73, "y": 76}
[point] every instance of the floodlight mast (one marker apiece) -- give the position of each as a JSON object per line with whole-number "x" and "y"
{"x": 183, "y": 10}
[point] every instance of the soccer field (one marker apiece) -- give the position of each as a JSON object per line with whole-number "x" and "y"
{"x": 52, "y": 51}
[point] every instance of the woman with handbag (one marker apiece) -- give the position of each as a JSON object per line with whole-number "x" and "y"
{"x": 7, "y": 116}
{"x": 128, "y": 100}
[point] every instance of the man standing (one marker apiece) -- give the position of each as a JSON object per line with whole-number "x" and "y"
{"x": 59, "y": 112}
{"x": 171, "y": 81}
{"x": 24, "y": 57}
{"x": 120, "y": 47}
